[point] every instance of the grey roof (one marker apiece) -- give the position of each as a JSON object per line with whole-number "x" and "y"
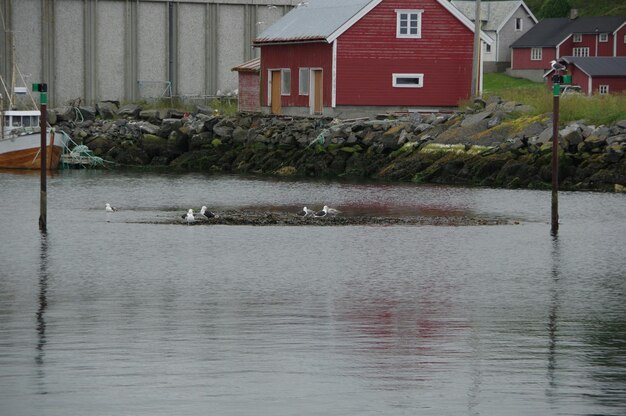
{"x": 553, "y": 31}
{"x": 313, "y": 20}
{"x": 602, "y": 66}
{"x": 492, "y": 13}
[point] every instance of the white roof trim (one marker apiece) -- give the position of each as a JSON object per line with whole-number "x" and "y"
{"x": 365, "y": 10}
{"x": 521, "y": 3}
{"x": 449, "y": 7}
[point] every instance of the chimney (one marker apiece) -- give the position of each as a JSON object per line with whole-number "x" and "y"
{"x": 573, "y": 14}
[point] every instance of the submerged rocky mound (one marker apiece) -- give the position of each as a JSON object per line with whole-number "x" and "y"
{"x": 493, "y": 144}
{"x": 288, "y": 218}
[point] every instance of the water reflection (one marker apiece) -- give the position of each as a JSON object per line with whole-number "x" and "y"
{"x": 41, "y": 310}
{"x": 553, "y": 315}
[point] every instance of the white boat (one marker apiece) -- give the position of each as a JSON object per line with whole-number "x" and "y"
{"x": 20, "y": 141}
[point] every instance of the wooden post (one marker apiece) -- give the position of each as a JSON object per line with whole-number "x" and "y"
{"x": 555, "y": 159}
{"x": 475, "y": 87}
{"x": 43, "y": 196}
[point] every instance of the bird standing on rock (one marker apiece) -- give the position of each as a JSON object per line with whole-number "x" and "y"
{"x": 308, "y": 212}
{"x": 189, "y": 217}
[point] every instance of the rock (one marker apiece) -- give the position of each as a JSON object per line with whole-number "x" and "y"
{"x": 86, "y": 113}
{"x": 107, "y": 110}
{"x": 571, "y": 137}
{"x": 153, "y": 116}
{"x": 223, "y": 131}
{"x": 615, "y": 151}
{"x": 154, "y": 145}
{"x": 129, "y": 110}
{"x": 65, "y": 113}
{"x": 621, "y": 124}
{"x": 475, "y": 118}
{"x": 198, "y": 141}
{"x": 616, "y": 139}
{"x": 149, "y": 128}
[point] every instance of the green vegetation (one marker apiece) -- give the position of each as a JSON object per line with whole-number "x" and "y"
{"x": 585, "y": 7}
{"x": 554, "y": 8}
{"x": 597, "y": 109}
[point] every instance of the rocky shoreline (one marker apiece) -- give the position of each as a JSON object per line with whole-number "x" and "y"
{"x": 494, "y": 144}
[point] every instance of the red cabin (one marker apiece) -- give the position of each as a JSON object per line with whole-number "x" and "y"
{"x": 358, "y": 57}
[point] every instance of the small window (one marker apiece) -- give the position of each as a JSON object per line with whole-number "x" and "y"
{"x": 285, "y": 85}
{"x": 409, "y": 23}
{"x": 519, "y": 24}
{"x": 604, "y": 89}
{"x": 304, "y": 81}
{"x": 578, "y": 38}
{"x": 487, "y": 48}
{"x": 408, "y": 80}
{"x": 535, "y": 54}
{"x": 624, "y": 38}
{"x": 604, "y": 37}
{"x": 580, "y": 52}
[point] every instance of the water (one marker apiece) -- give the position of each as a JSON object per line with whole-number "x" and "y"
{"x": 106, "y": 315}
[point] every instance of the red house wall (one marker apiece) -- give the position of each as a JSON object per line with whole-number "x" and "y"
{"x": 621, "y": 42}
{"x": 521, "y": 58}
{"x": 249, "y": 98}
{"x": 369, "y": 53}
{"x": 605, "y": 48}
{"x": 615, "y": 84}
{"x": 294, "y": 57}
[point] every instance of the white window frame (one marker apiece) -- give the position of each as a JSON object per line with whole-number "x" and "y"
{"x": 581, "y": 52}
{"x": 536, "y": 54}
{"x": 519, "y": 24}
{"x": 603, "y": 89}
{"x": 577, "y": 38}
{"x": 285, "y": 81}
{"x": 304, "y": 82}
{"x": 603, "y": 37}
{"x": 395, "y": 77}
{"x": 412, "y": 15}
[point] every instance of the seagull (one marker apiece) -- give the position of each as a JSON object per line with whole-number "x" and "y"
{"x": 308, "y": 212}
{"x": 557, "y": 66}
{"x": 207, "y": 214}
{"x": 302, "y": 3}
{"x": 271, "y": 6}
{"x": 109, "y": 208}
{"x": 330, "y": 211}
{"x": 189, "y": 217}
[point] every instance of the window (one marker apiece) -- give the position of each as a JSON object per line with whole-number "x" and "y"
{"x": 518, "y": 24}
{"x": 580, "y": 52}
{"x": 409, "y": 23}
{"x": 535, "y": 54}
{"x": 304, "y": 81}
{"x": 487, "y": 48}
{"x": 604, "y": 37}
{"x": 604, "y": 89}
{"x": 578, "y": 37}
{"x": 408, "y": 80}
{"x": 285, "y": 82}
{"x": 624, "y": 38}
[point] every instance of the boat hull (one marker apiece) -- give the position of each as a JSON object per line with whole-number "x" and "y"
{"x": 24, "y": 152}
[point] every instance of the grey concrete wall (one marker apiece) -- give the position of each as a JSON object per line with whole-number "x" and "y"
{"x": 105, "y": 49}
{"x": 70, "y": 62}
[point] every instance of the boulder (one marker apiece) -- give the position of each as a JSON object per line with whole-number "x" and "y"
{"x": 107, "y": 110}
{"x": 86, "y": 113}
{"x": 129, "y": 110}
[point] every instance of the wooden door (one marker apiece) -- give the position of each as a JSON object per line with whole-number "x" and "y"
{"x": 275, "y": 97}
{"x": 318, "y": 89}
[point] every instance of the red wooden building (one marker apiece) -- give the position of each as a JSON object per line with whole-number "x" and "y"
{"x": 595, "y": 75}
{"x": 357, "y": 57}
{"x": 551, "y": 39}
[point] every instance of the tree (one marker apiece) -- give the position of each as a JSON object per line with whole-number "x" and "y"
{"x": 554, "y": 8}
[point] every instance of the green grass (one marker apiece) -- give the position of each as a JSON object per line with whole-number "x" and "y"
{"x": 596, "y": 109}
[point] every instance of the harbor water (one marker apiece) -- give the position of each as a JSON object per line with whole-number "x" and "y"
{"x": 137, "y": 313}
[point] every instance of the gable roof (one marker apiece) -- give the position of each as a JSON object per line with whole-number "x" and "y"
{"x": 326, "y": 20}
{"x": 602, "y": 66}
{"x": 494, "y": 14}
{"x": 253, "y": 65}
{"x": 551, "y": 32}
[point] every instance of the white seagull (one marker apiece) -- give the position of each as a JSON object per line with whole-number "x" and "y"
{"x": 557, "y": 66}
{"x": 330, "y": 211}
{"x": 189, "y": 217}
{"x": 206, "y": 213}
{"x": 308, "y": 212}
{"x": 109, "y": 208}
